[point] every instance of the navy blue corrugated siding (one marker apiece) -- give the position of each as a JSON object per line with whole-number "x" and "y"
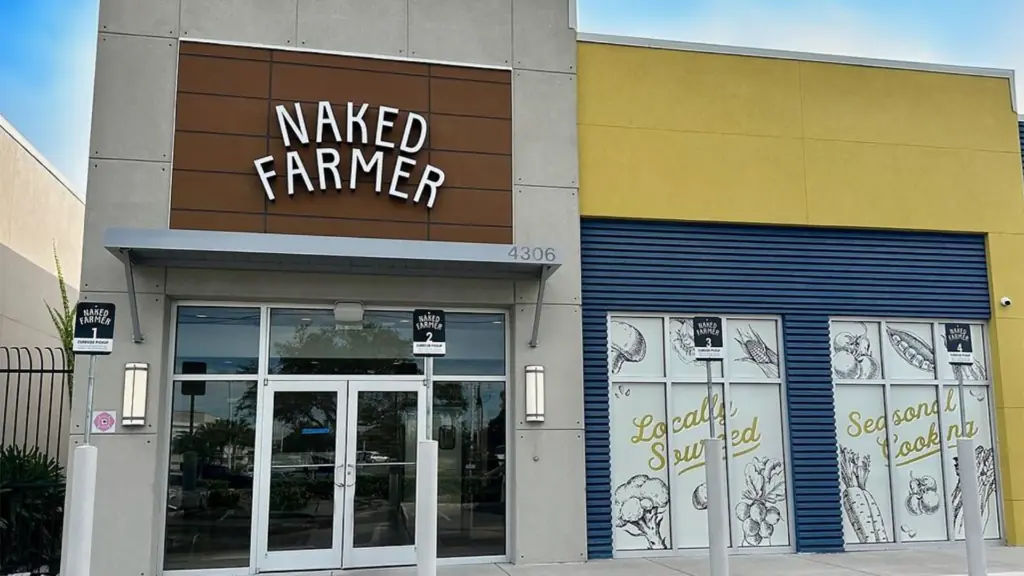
{"x": 804, "y": 274}
{"x": 1020, "y": 131}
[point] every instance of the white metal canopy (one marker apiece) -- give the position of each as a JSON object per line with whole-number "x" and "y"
{"x": 326, "y": 254}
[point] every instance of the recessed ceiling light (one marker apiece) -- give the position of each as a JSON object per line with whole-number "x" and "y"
{"x": 201, "y": 316}
{"x": 307, "y": 319}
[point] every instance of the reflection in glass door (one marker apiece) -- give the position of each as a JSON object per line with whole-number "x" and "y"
{"x": 302, "y": 476}
{"x": 385, "y": 424}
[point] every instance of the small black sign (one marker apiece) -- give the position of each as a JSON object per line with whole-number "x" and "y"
{"x": 707, "y": 337}
{"x": 428, "y": 333}
{"x": 94, "y": 328}
{"x": 959, "y": 346}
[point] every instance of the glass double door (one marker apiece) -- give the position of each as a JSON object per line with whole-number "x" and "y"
{"x": 337, "y": 474}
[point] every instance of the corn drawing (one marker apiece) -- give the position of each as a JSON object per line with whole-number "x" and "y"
{"x": 757, "y": 351}
{"x": 859, "y": 505}
{"x": 912, "y": 349}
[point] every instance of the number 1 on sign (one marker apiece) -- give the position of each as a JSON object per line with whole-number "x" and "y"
{"x": 94, "y": 333}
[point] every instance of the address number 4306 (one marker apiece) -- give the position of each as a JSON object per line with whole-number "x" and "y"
{"x": 533, "y": 253}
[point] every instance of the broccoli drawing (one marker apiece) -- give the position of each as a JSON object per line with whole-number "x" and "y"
{"x": 639, "y": 504}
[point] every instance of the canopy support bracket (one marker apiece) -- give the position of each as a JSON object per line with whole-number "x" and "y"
{"x": 133, "y": 302}
{"x": 543, "y": 280}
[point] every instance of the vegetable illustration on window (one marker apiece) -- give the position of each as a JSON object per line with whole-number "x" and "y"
{"x": 852, "y": 357}
{"x": 975, "y": 371}
{"x": 681, "y": 335}
{"x": 758, "y": 509}
{"x": 859, "y": 505}
{"x": 985, "y": 459}
{"x": 924, "y": 497}
{"x": 639, "y": 506}
{"x": 756, "y": 351}
{"x": 912, "y": 349}
{"x": 627, "y": 344}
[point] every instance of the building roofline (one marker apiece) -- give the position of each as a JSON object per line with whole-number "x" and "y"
{"x": 659, "y": 44}
{"x": 6, "y": 126}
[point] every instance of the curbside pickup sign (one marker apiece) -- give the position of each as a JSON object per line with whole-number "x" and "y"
{"x": 707, "y": 338}
{"x": 94, "y": 328}
{"x": 959, "y": 346}
{"x": 428, "y": 333}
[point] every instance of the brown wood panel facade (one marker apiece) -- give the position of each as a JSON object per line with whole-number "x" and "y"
{"x": 225, "y": 119}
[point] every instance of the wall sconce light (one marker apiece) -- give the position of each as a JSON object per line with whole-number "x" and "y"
{"x": 534, "y": 393}
{"x": 136, "y": 379}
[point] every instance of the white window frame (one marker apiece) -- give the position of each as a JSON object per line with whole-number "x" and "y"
{"x": 666, "y": 380}
{"x": 939, "y": 383}
{"x": 164, "y": 440}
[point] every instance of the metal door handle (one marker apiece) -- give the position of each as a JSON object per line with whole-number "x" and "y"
{"x": 349, "y": 471}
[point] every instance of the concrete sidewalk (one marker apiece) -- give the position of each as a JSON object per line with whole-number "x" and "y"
{"x": 937, "y": 561}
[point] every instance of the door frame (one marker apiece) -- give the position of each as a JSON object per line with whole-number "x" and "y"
{"x": 262, "y": 376}
{"x": 292, "y": 560}
{"x": 382, "y": 556}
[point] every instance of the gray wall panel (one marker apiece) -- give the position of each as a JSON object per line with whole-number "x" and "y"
{"x": 141, "y": 17}
{"x": 271, "y": 22}
{"x": 379, "y": 27}
{"x": 133, "y": 98}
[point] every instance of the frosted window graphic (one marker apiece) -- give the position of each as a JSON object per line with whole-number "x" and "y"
{"x": 682, "y": 361}
{"x": 754, "y": 349}
{"x": 979, "y": 427}
{"x": 856, "y": 351}
{"x": 977, "y": 372}
{"x": 918, "y": 469}
{"x": 910, "y": 352}
{"x": 757, "y": 471}
{"x": 636, "y": 347}
{"x": 640, "y": 485}
{"x": 656, "y": 445}
{"x": 863, "y": 469}
{"x": 689, "y": 480}
{"x": 900, "y": 435}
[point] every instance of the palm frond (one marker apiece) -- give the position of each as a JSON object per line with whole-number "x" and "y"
{"x": 64, "y": 319}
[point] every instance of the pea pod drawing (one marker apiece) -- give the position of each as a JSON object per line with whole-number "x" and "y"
{"x": 912, "y": 349}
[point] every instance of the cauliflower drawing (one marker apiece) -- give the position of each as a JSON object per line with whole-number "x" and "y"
{"x": 638, "y": 505}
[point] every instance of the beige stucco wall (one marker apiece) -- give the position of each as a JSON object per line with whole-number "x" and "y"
{"x": 38, "y": 210}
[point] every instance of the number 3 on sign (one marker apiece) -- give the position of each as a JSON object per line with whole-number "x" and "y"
{"x": 532, "y": 253}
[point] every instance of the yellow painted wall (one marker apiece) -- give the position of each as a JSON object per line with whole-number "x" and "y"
{"x": 710, "y": 137}
{"x": 674, "y": 135}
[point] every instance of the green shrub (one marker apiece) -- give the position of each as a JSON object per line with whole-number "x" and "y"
{"x": 31, "y": 510}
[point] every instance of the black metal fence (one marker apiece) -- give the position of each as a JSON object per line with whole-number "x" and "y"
{"x": 35, "y": 406}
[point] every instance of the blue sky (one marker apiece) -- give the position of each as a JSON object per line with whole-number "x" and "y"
{"x": 48, "y": 48}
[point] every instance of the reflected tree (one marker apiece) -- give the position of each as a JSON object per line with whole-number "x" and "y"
{"x": 218, "y": 442}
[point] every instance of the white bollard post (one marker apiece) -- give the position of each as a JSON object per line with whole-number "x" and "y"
{"x": 426, "y": 509}
{"x": 80, "y": 512}
{"x": 974, "y": 536}
{"x": 718, "y": 503}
